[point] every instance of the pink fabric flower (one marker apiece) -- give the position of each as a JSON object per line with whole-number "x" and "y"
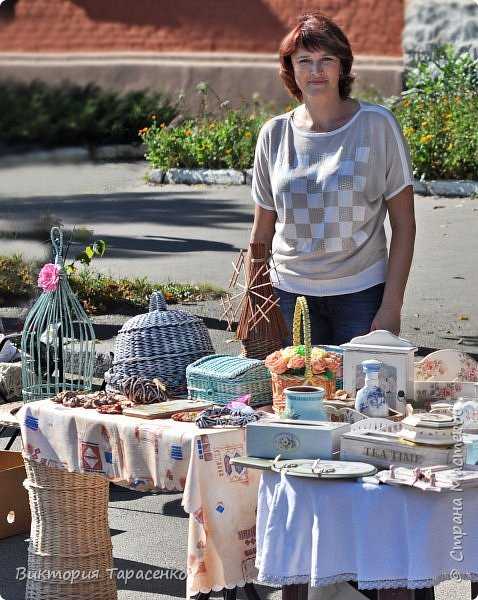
{"x": 332, "y": 363}
{"x": 276, "y": 363}
{"x": 49, "y": 277}
{"x": 239, "y": 402}
{"x": 318, "y": 366}
{"x": 296, "y": 362}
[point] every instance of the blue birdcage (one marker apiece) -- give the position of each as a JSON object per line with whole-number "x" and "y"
{"x": 58, "y": 340}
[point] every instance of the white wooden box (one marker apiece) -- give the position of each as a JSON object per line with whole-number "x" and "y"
{"x": 397, "y": 356}
{"x": 383, "y": 449}
{"x": 294, "y": 438}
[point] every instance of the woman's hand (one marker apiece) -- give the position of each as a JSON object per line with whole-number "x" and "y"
{"x": 387, "y": 317}
{"x": 402, "y": 221}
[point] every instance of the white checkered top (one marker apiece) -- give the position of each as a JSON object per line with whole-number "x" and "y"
{"x": 329, "y": 191}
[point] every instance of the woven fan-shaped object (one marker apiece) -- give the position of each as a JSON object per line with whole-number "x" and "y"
{"x": 251, "y": 300}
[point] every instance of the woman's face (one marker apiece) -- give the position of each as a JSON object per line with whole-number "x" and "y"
{"x": 316, "y": 72}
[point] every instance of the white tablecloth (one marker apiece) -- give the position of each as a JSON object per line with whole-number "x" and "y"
{"x": 378, "y": 535}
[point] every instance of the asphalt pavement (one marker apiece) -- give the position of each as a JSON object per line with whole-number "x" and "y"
{"x": 192, "y": 234}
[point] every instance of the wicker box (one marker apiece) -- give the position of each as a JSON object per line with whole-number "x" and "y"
{"x": 220, "y": 378}
{"x": 10, "y": 381}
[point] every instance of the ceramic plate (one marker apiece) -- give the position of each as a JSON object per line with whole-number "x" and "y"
{"x": 447, "y": 366}
{"x": 324, "y": 469}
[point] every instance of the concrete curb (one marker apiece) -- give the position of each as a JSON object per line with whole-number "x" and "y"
{"x": 450, "y": 188}
{"x": 76, "y": 154}
{"x": 124, "y": 152}
{"x": 205, "y": 176}
{"x": 444, "y": 188}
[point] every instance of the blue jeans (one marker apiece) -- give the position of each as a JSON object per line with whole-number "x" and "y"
{"x": 334, "y": 320}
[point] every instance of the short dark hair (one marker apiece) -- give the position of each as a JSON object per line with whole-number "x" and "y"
{"x": 316, "y": 31}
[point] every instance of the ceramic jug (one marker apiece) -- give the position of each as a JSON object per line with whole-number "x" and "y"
{"x": 465, "y": 410}
{"x": 370, "y": 400}
{"x": 305, "y": 402}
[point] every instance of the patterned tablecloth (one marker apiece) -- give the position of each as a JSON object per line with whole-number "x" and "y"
{"x": 162, "y": 455}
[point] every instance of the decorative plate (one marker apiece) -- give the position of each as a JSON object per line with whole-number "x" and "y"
{"x": 447, "y": 365}
{"x": 323, "y": 469}
{"x": 432, "y": 420}
{"x": 442, "y": 391}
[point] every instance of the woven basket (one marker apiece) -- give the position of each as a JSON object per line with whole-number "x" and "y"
{"x": 221, "y": 378}
{"x": 161, "y": 343}
{"x": 280, "y": 382}
{"x": 260, "y": 348}
{"x": 69, "y": 534}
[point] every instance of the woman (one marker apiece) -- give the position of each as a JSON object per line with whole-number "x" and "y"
{"x": 325, "y": 175}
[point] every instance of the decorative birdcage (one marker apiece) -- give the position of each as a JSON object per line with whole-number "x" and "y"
{"x": 58, "y": 341}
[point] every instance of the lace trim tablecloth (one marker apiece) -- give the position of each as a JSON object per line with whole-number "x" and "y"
{"x": 380, "y": 536}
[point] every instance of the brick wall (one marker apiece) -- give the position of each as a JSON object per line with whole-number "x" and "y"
{"x": 373, "y": 26}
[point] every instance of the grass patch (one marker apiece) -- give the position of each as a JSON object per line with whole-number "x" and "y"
{"x": 98, "y": 293}
{"x": 17, "y": 279}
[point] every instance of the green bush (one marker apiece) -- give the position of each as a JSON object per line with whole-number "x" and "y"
{"x": 101, "y": 293}
{"x": 438, "y": 113}
{"x": 67, "y": 114}
{"x": 226, "y": 141}
{"x": 17, "y": 279}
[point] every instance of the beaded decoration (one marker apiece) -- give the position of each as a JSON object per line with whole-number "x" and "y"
{"x": 226, "y": 417}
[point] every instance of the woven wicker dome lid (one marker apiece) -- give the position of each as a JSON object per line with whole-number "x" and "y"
{"x": 158, "y": 319}
{"x": 158, "y": 316}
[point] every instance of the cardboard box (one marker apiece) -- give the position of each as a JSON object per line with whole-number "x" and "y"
{"x": 294, "y": 439}
{"x": 14, "y": 507}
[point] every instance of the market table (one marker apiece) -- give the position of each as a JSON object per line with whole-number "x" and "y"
{"x": 72, "y": 453}
{"x": 383, "y": 537}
